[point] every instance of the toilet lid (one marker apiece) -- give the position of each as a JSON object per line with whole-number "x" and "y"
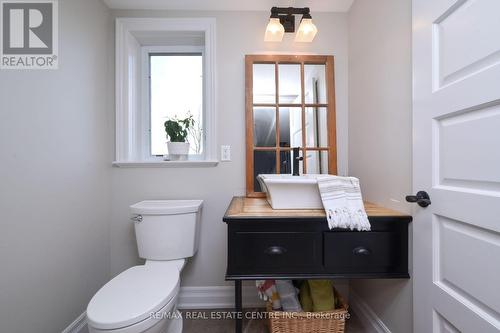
{"x": 132, "y": 296}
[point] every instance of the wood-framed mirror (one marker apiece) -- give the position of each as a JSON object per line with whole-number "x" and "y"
{"x": 290, "y": 102}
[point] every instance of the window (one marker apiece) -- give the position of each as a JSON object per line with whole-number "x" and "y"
{"x": 175, "y": 91}
{"x": 164, "y": 68}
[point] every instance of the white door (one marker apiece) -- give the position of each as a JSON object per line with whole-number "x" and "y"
{"x": 456, "y": 68}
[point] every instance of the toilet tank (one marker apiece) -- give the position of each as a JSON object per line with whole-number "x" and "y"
{"x": 167, "y": 229}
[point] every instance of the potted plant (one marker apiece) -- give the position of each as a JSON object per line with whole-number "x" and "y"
{"x": 177, "y": 132}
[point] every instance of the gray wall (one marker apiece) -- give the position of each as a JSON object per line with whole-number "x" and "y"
{"x": 56, "y": 148}
{"x": 380, "y": 131}
{"x": 238, "y": 33}
{"x": 65, "y": 223}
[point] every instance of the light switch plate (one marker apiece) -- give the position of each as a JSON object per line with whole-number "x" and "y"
{"x": 225, "y": 153}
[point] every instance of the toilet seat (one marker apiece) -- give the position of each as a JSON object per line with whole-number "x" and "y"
{"x": 133, "y": 296}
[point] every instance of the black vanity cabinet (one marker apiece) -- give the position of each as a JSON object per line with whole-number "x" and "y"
{"x": 297, "y": 244}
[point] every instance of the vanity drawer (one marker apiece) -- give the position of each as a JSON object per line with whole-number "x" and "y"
{"x": 364, "y": 252}
{"x": 274, "y": 252}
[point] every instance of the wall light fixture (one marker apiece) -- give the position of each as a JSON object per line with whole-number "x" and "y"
{"x": 283, "y": 20}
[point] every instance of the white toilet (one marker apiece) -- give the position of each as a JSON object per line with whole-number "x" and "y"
{"x": 143, "y": 298}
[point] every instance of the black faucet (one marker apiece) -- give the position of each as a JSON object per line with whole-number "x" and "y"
{"x": 296, "y": 159}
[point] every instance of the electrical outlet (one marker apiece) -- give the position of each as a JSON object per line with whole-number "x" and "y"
{"x": 225, "y": 153}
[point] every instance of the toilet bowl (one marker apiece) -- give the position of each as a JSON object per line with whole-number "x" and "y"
{"x": 143, "y": 298}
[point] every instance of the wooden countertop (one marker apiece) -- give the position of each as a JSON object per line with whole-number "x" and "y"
{"x": 242, "y": 207}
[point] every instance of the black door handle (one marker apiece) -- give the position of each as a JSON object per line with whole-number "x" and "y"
{"x": 422, "y": 199}
{"x": 361, "y": 251}
{"x": 275, "y": 250}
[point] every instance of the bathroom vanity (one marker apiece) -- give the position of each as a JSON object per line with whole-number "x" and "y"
{"x": 297, "y": 244}
{"x": 291, "y": 131}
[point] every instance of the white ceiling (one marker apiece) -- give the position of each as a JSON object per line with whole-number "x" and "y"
{"x": 233, "y": 5}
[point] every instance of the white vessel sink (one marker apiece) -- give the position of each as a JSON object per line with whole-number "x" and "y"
{"x": 291, "y": 192}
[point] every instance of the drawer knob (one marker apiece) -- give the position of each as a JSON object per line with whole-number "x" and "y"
{"x": 361, "y": 251}
{"x": 275, "y": 250}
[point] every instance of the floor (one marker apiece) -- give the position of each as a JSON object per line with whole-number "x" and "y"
{"x": 202, "y": 321}
{"x": 210, "y": 321}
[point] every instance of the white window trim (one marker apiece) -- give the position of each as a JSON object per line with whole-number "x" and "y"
{"x": 131, "y": 115}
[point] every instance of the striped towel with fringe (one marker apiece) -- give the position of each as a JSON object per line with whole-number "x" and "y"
{"x": 343, "y": 203}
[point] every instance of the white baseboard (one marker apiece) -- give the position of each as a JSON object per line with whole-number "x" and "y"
{"x": 216, "y": 298}
{"x": 366, "y": 315}
{"x": 194, "y": 298}
{"x": 78, "y": 325}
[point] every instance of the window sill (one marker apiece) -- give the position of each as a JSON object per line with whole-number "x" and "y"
{"x": 166, "y": 164}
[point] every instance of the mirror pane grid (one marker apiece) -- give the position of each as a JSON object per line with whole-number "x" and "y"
{"x": 302, "y": 91}
{"x": 264, "y": 126}
{"x": 264, "y": 87}
{"x": 289, "y": 81}
{"x": 315, "y": 84}
{"x": 278, "y": 161}
{"x": 290, "y": 127}
{"x": 289, "y": 100}
{"x": 264, "y": 163}
{"x": 278, "y": 130}
{"x": 317, "y": 161}
{"x": 316, "y": 127}
{"x": 285, "y": 162}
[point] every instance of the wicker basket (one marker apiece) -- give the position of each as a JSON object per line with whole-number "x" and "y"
{"x": 308, "y": 322}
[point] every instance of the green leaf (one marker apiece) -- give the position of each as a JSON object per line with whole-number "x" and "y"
{"x": 177, "y": 129}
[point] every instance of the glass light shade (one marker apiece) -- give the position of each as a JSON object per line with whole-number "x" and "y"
{"x": 307, "y": 31}
{"x": 274, "y": 31}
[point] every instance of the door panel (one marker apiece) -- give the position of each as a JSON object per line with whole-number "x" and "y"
{"x": 466, "y": 149}
{"x": 459, "y": 313}
{"x": 458, "y": 245}
{"x": 456, "y": 69}
{"x": 457, "y": 204}
{"x": 465, "y": 39}
{"x": 442, "y": 325}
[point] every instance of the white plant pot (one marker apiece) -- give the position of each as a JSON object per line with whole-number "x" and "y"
{"x": 178, "y": 151}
